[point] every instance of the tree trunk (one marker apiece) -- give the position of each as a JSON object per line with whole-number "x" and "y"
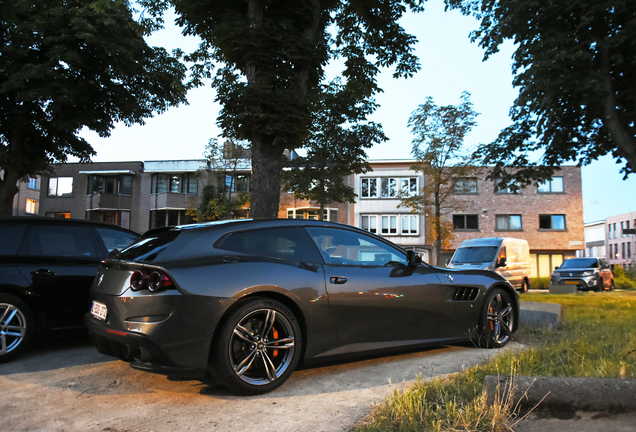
{"x": 8, "y": 189}
{"x": 267, "y": 165}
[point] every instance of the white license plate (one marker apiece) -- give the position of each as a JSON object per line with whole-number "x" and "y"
{"x": 99, "y": 310}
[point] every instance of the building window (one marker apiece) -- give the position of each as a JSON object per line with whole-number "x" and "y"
{"x": 390, "y": 224}
{"x": 465, "y": 222}
{"x": 629, "y": 250}
{"x": 508, "y": 223}
{"x": 623, "y": 250}
{"x": 32, "y": 183}
{"x": 125, "y": 185}
{"x": 31, "y": 206}
{"x": 465, "y": 185}
{"x": 390, "y": 187}
{"x": 60, "y": 187}
{"x": 615, "y": 232}
{"x": 159, "y": 183}
{"x": 61, "y": 215}
{"x": 234, "y": 183}
{"x": 161, "y": 218}
{"x": 555, "y": 185}
{"x": 552, "y": 222}
{"x": 504, "y": 188}
{"x": 409, "y": 225}
{"x": 190, "y": 185}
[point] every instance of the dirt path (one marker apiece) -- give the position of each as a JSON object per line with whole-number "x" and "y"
{"x": 74, "y": 388}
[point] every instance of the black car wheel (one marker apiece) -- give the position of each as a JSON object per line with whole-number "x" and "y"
{"x": 16, "y": 327}
{"x": 497, "y": 319}
{"x": 600, "y": 286}
{"x": 611, "y": 285}
{"x": 524, "y": 286}
{"x": 257, "y": 348}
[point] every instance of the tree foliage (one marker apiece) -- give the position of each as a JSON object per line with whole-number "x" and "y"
{"x": 66, "y": 65}
{"x": 267, "y": 59}
{"x": 218, "y": 200}
{"x": 438, "y": 147}
{"x": 575, "y": 67}
{"x": 335, "y": 146}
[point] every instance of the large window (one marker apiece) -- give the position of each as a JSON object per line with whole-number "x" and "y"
{"x": 555, "y": 185}
{"x": 98, "y": 184}
{"x": 174, "y": 183}
{"x": 465, "y": 222}
{"x": 33, "y": 183}
{"x": 389, "y": 187}
{"x": 552, "y": 222}
{"x": 330, "y": 214}
{"x": 390, "y": 224}
{"x": 504, "y": 188}
{"x": 60, "y": 187}
{"x": 465, "y": 185}
{"x": 190, "y": 185}
{"x": 31, "y": 206}
{"x": 508, "y": 223}
{"x": 234, "y": 183}
{"x": 161, "y": 218}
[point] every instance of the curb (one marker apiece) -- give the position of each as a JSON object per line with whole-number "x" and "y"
{"x": 584, "y": 394}
{"x": 547, "y": 314}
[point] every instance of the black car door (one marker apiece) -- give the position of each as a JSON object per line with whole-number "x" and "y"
{"x": 60, "y": 263}
{"x": 376, "y": 300}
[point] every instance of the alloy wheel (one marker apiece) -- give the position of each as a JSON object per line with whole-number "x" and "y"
{"x": 13, "y": 328}
{"x": 500, "y": 318}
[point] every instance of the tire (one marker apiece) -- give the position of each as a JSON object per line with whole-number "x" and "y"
{"x": 611, "y": 288}
{"x": 497, "y": 319}
{"x": 257, "y": 347}
{"x": 524, "y": 286}
{"x": 599, "y": 285}
{"x": 16, "y": 327}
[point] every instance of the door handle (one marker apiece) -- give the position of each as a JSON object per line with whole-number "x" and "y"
{"x": 338, "y": 280}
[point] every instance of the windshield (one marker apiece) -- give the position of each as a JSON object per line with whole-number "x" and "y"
{"x": 475, "y": 255}
{"x": 149, "y": 248}
{"x": 579, "y": 263}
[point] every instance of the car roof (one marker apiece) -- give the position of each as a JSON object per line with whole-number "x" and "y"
{"x": 39, "y": 220}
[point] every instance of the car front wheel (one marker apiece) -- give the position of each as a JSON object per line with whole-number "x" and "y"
{"x": 257, "y": 347}
{"x": 497, "y": 319}
{"x": 16, "y": 327}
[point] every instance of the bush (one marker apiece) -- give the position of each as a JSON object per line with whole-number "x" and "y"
{"x": 540, "y": 283}
{"x": 623, "y": 279}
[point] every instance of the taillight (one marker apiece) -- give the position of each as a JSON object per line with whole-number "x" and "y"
{"x": 155, "y": 281}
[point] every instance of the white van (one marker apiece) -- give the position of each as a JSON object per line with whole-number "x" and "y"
{"x": 509, "y": 257}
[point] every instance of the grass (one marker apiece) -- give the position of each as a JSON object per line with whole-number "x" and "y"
{"x": 596, "y": 339}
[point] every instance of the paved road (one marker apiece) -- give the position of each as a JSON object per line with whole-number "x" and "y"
{"x": 71, "y": 387}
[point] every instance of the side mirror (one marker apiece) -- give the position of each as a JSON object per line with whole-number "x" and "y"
{"x": 501, "y": 263}
{"x": 557, "y": 267}
{"x": 413, "y": 258}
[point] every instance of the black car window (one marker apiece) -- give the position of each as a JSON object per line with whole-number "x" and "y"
{"x": 579, "y": 263}
{"x": 59, "y": 240}
{"x": 115, "y": 239}
{"x": 11, "y": 237}
{"x": 149, "y": 247}
{"x": 289, "y": 243}
{"x": 339, "y": 246}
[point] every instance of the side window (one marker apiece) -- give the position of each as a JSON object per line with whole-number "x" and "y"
{"x": 115, "y": 239}
{"x": 287, "y": 243}
{"x": 11, "y": 235}
{"x": 59, "y": 241}
{"x": 339, "y": 246}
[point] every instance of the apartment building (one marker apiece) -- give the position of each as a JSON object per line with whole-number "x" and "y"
{"x": 594, "y": 240}
{"x": 620, "y": 239}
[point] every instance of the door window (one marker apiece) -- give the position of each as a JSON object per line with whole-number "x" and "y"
{"x": 59, "y": 241}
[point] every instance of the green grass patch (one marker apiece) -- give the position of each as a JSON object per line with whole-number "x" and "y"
{"x": 596, "y": 339}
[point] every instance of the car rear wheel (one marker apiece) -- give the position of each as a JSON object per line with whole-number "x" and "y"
{"x": 600, "y": 285}
{"x": 16, "y": 327}
{"x": 611, "y": 285}
{"x": 497, "y": 319}
{"x": 257, "y": 347}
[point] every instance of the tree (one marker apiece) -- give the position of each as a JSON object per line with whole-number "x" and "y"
{"x": 438, "y": 147}
{"x": 218, "y": 201}
{"x": 271, "y": 57}
{"x": 575, "y": 67}
{"x": 335, "y": 148}
{"x": 70, "y": 64}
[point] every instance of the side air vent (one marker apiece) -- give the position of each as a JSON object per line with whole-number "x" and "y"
{"x": 465, "y": 294}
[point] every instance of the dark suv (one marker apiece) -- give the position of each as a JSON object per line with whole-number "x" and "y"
{"x": 585, "y": 273}
{"x": 47, "y": 266}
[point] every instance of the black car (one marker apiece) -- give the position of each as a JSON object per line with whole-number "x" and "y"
{"x": 246, "y": 301}
{"x": 47, "y": 266}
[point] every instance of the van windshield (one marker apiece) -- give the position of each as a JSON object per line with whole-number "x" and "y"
{"x": 475, "y": 255}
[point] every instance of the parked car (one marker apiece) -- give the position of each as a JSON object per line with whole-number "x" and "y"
{"x": 585, "y": 273}
{"x": 509, "y": 257}
{"x": 47, "y": 266}
{"x": 246, "y": 301}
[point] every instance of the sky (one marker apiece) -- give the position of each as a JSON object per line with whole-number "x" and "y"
{"x": 450, "y": 63}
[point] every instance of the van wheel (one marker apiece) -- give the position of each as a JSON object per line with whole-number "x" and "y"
{"x": 611, "y": 285}
{"x": 524, "y": 286}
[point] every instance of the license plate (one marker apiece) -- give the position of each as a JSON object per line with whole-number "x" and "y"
{"x": 571, "y": 283}
{"x": 99, "y": 310}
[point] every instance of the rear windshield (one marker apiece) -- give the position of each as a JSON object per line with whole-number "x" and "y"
{"x": 579, "y": 263}
{"x": 475, "y": 255}
{"x": 148, "y": 248}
